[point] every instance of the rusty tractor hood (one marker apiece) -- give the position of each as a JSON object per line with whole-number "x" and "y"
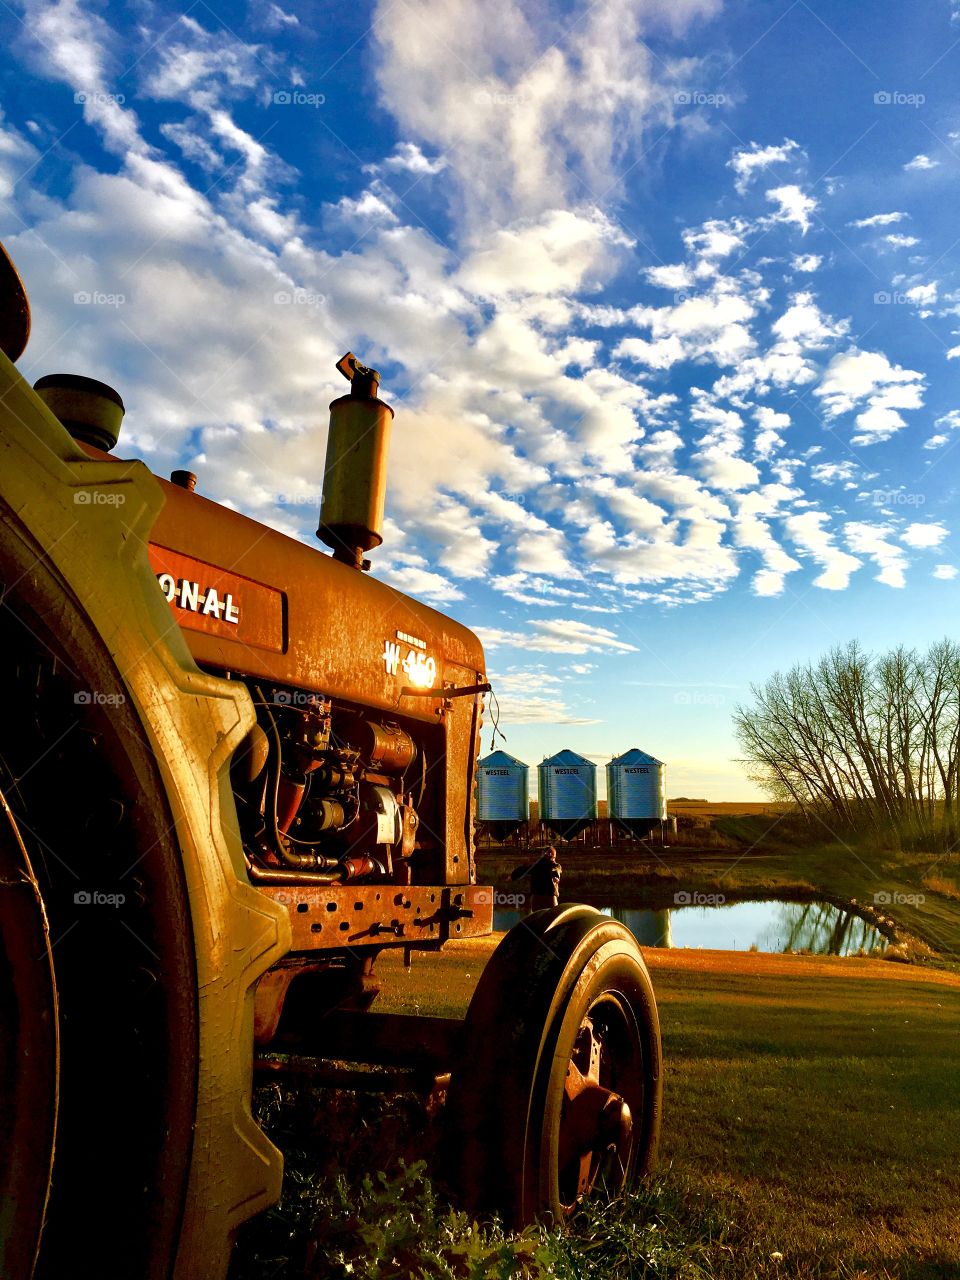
{"x": 253, "y": 601}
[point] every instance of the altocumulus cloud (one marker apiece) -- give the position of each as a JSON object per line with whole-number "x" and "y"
{"x": 563, "y": 442}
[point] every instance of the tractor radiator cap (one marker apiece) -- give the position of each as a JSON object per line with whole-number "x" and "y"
{"x": 90, "y": 410}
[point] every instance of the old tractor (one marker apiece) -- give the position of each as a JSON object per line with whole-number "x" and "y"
{"x": 234, "y": 770}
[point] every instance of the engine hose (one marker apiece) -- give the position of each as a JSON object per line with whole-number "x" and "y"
{"x": 288, "y": 857}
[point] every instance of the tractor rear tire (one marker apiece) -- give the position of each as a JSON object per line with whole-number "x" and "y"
{"x": 114, "y": 761}
{"x": 86, "y": 806}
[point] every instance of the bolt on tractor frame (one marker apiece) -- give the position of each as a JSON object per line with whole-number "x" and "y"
{"x": 233, "y": 771}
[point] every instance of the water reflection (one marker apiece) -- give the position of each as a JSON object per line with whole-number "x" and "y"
{"x": 815, "y": 927}
{"x": 823, "y": 929}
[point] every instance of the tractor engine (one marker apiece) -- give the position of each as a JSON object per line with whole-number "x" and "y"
{"x": 329, "y": 790}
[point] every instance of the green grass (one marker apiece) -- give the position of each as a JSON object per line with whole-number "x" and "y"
{"x": 811, "y": 1119}
{"x": 831, "y": 1105}
{"x": 818, "y": 1117}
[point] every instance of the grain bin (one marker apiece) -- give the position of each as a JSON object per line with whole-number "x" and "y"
{"x": 636, "y": 792}
{"x": 502, "y": 795}
{"x": 567, "y": 784}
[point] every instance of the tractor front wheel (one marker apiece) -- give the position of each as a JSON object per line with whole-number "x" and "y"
{"x": 559, "y": 1088}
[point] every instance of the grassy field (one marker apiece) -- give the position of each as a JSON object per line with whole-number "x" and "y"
{"x": 811, "y": 1109}
{"x": 813, "y": 1104}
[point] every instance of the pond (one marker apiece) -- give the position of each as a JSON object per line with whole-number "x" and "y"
{"x": 815, "y": 927}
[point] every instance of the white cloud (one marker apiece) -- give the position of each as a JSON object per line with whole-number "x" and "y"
{"x": 872, "y": 540}
{"x": 534, "y": 695}
{"x": 557, "y": 636}
{"x": 17, "y": 156}
{"x": 415, "y": 578}
{"x": 769, "y": 437}
{"x": 273, "y": 18}
{"x": 535, "y": 108}
{"x": 723, "y": 470}
{"x": 857, "y": 376}
{"x": 806, "y": 325}
{"x": 709, "y": 325}
{"x": 919, "y": 163}
{"x": 922, "y": 295}
{"x": 794, "y": 206}
{"x": 558, "y": 253}
{"x": 756, "y": 158}
{"x": 408, "y": 158}
{"x": 673, "y": 276}
{"x": 946, "y": 571}
{"x": 879, "y": 220}
{"x": 809, "y": 534}
{"x": 924, "y": 535}
{"x": 842, "y": 472}
{"x": 767, "y": 582}
{"x": 362, "y": 213}
{"x": 714, "y": 240}
{"x": 73, "y": 46}
{"x": 523, "y": 455}
{"x": 901, "y": 242}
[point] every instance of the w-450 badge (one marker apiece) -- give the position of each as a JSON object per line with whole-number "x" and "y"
{"x": 419, "y": 669}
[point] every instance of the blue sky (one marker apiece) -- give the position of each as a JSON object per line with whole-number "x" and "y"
{"x": 665, "y": 296}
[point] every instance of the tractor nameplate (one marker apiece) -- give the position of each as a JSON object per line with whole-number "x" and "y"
{"x": 206, "y": 598}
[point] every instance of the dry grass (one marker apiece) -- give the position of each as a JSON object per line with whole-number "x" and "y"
{"x": 723, "y": 808}
{"x": 940, "y": 884}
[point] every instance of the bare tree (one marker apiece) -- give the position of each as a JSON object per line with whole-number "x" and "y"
{"x": 862, "y": 741}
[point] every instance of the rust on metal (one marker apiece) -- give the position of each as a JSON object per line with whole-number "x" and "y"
{"x": 325, "y": 919}
{"x": 385, "y": 1039}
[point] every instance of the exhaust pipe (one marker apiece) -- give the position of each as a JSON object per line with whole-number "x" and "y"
{"x": 355, "y": 471}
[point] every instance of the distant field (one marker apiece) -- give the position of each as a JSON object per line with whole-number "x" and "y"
{"x": 723, "y": 808}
